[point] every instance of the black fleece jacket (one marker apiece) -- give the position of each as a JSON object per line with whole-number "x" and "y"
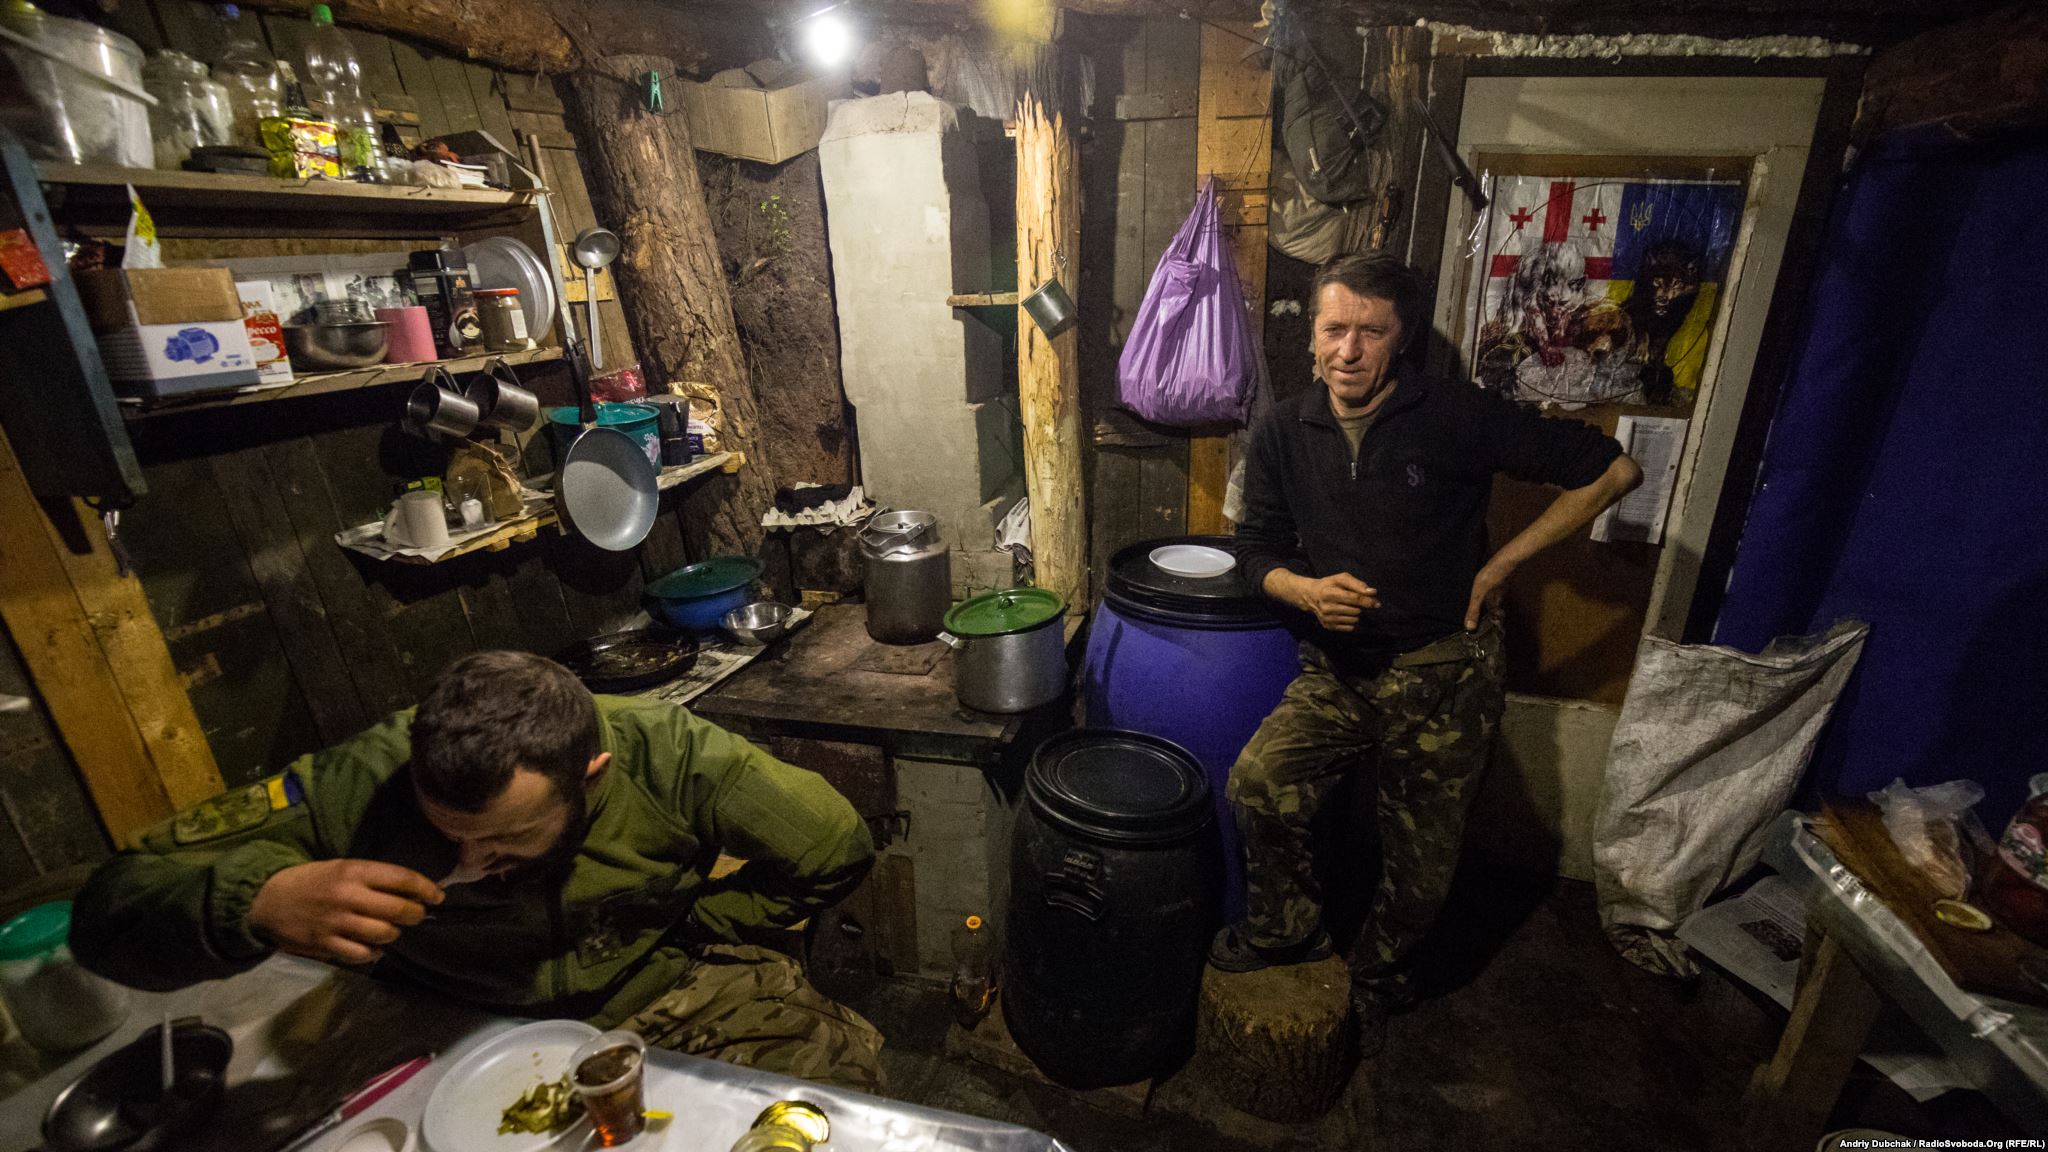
{"x": 1407, "y": 515}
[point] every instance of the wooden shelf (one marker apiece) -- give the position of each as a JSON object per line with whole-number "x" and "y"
{"x": 173, "y": 188}
{"x": 321, "y": 383}
{"x": 528, "y": 527}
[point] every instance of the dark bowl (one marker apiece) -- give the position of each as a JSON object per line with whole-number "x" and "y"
{"x": 119, "y": 1104}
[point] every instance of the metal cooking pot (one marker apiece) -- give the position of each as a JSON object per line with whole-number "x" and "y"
{"x": 909, "y": 577}
{"x": 1009, "y": 649}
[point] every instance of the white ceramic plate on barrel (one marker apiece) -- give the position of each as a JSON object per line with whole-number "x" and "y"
{"x": 463, "y": 1113}
{"x": 1195, "y": 561}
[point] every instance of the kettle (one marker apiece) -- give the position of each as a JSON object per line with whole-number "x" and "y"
{"x": 909, "y": 578}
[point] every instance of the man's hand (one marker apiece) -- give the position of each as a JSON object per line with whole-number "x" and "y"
{"x": 1487, "y": 589}
{"x": 344, "y": 911}
{"x": 1336, "y": 601}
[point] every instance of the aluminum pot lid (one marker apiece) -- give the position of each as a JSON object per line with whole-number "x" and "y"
{"x": 1002, "y": 613}
{"x": 706, "y": 578}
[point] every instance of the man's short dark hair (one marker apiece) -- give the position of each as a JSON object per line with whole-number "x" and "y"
{"x": 493, "y": 713}
{"x": 1376, "y": 275}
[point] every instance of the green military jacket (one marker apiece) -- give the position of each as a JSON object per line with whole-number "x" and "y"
{"x": 600, "y": 944}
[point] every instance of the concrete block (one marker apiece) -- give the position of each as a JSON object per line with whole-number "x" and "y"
{"x": 958, "y": 844}
{"x": 908, "y": 227}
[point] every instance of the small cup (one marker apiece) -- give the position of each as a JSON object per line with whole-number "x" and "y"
{"x": 417, "y": 520}
{"x": 616, "y": 1102}
{"x": 434, "y": 407}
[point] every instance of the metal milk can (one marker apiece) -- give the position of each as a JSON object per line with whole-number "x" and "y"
{"x": 909, "y": 582}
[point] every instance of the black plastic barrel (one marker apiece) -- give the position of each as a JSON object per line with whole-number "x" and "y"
{"x": 1115, "y": 881}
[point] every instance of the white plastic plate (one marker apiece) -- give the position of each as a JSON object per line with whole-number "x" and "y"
{"x": 1194, "y": 560}
{"x": 462, "y": 1114}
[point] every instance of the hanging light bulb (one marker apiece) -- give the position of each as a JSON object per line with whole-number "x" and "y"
{"x": 828, "y": 38}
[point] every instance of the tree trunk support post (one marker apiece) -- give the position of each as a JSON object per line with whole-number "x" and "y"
{"x": 1048, "y": 367}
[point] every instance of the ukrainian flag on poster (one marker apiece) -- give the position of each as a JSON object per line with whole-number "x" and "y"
{"x": 1672, "y": 244}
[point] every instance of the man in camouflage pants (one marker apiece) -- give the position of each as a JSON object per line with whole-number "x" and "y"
{"x": 1365, "y": 518}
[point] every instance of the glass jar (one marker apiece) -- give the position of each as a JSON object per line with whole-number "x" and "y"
{"x": 192, "y": 108}
{"x": 249, "y": 73}
{"x": 57, "y": 1004}
{"x": 503, "y": 320}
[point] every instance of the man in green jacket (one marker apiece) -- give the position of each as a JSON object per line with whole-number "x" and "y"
{"x": 525, "y": 847}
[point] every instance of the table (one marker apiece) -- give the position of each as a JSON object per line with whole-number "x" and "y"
{"x": 1860, "y": 955}
{"x": 306, "y": 1034}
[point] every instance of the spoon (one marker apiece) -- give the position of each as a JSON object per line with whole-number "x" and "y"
{"x": 594, "y": 248}
{"x": 170, "y": 1074}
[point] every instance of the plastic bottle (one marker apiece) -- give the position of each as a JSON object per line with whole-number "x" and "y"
{"x": 974, "y": 986}
{"x": 334, "y": 87}
{"x": 300, "y": 144}
{"x": 249, "y": 72}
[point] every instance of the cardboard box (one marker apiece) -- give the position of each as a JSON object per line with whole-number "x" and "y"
{"x": 169, "y": 331}
{"x": 266, "y": 331}
{"x": 732, "y": 116}
{"x": 117, "y": 297}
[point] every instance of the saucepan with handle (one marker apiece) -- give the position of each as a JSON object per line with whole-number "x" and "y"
{"x": 607, "y": 488}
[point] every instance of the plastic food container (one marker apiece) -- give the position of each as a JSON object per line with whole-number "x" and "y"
{"x": 57, "y": 1004}
{"x": 192, "y": 108}
{"x": 86, "y": 84}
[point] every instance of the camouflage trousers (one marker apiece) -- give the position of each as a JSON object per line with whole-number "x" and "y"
{"x": 752, "y": 1007}
{"x": 1426, "y": 723}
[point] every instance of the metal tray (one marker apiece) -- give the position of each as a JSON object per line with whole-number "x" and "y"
{"x": 630, "y": 661}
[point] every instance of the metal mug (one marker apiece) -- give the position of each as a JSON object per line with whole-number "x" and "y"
{"x": 1050, "y": 307}
{"x": 500, "y": 400}
{"x": 435, "y": 406}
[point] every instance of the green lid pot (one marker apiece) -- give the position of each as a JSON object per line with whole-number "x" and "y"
{"x": 1009, "y": 652}
{"x": 36, "y": 932}
{"x": 1006, "y": 612}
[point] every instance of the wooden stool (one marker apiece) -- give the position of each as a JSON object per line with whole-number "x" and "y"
{"x": 1275, "y": 1043}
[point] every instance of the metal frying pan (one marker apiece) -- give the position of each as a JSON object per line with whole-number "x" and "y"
{"x": 607, "y": 487}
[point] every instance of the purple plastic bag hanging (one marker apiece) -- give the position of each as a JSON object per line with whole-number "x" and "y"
{"x": 1190, "y": 359}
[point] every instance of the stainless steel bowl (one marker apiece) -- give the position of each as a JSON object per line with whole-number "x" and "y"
{"x": 332, "y": 347}
{"x": 762, "y": 622}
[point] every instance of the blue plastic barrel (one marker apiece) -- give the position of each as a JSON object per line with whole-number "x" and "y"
{"x": 1198, "y": 661}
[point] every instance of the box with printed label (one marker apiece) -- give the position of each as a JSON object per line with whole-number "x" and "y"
{"x": 266, "y": 333}
{"x": 161, "y": 360}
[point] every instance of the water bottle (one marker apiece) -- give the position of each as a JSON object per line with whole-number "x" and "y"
{"x": 334, "y": 86}
{"x": 973, "y": 985}
{"x": 249, "y": 72}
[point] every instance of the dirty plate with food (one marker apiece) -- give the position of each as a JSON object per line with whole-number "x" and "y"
{"x": 470, "y": 1103}
{"x": 630, "y": 661}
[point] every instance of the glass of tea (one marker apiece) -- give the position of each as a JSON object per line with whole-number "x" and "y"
{"x": 607, "y": 1074}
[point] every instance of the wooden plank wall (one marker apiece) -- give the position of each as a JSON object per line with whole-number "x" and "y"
{"x": 284, "y": 641}
{"x": 1138, "y": 184}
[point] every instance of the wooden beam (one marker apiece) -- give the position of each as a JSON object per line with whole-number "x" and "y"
{"x": 1789, "y": 1099}
{"x": 644, "y": 185}
{"x": 518, "y": 34}
{"x": 100, "y": 664}
{"x": 1233, "y": 144}
{"x": 1049, "y": 368}
{"x": 1979, "y": 77}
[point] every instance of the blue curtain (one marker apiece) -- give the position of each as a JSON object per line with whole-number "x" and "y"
{"x": 1905, "y": 481}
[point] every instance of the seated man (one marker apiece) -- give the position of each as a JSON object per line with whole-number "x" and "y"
{"x": 525, "y": 847}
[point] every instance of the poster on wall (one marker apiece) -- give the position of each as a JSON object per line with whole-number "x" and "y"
{"x": 1596, "y": 280}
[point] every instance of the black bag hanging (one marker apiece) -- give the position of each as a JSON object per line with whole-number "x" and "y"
{"x": 1326, "y": 141}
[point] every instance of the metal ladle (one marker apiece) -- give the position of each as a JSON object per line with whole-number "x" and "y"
{"x": 594, "y": 248}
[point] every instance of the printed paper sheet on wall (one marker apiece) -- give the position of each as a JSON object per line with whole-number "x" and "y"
{"x": 1598, "y": 289}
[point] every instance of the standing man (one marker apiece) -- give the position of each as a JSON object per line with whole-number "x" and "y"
{"x": 1365, "y": 508}
{"x": 522, "y": 846}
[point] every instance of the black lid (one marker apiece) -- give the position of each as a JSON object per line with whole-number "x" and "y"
{"x": 1137, "y": 584}
{"x": 1123, "y": 786}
